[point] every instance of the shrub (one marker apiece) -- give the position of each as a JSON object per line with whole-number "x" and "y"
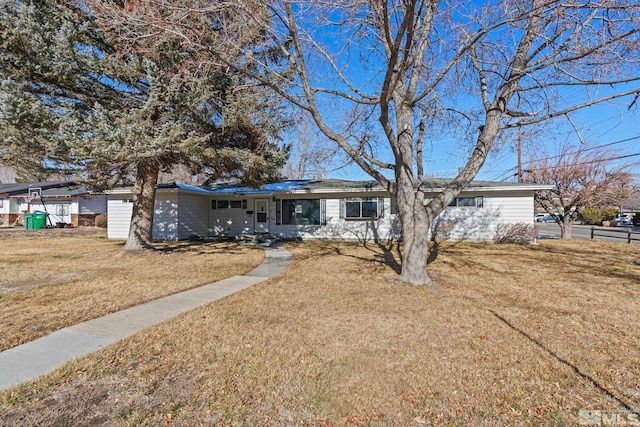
{"x": 520, "y": 233}
{"x": 609, "y": 214}
{"x": 636, "y": 219}
{"x": 592, "y": 216}
{"x": 101, "y": 221}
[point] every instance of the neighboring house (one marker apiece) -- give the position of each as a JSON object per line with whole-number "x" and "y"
{"x": 317, "y": 209}
{"x": 64, "y": 201}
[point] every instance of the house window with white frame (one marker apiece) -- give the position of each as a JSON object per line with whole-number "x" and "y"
{"x": 62, "y": 210}
{"x": 362, "y": 208}
{"x": 473, "y": 202}
{"x": 229, "y": 204}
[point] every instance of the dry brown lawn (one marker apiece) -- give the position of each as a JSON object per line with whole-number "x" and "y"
{"x": 55, "y": 278}
{"x": 512, "y": 335}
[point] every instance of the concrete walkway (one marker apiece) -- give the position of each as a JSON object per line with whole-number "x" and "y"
{"x": 33, "y": 359}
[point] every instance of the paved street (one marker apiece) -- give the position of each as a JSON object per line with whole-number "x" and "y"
{"x": 611, "y": 234}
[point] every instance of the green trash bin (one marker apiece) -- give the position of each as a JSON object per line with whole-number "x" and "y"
{"x": 34, "y": 220}
{"x": 39, "y": 220}
{"x": 27, "y": 219}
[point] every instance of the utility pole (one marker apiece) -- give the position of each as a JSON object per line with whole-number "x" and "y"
{"x": 519, "y": 154}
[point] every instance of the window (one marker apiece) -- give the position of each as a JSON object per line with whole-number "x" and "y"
{"x": 62, "y": 210}
{"x": 1, "y": 203}
{"x": 362, "y": 208}
{"x": 475, "y": 202}
{"x": 298, "y": 211}
{"x": 229, "y": 204}
{"x": 127, "y": 200}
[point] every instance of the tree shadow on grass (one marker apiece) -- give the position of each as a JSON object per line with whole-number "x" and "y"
{"x": 570, "y": 365}
{"x": 391, "y": 254}
{"x": 198, "y": 247}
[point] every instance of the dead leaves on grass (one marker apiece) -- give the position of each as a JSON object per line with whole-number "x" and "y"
{"x": 336, "y": 341}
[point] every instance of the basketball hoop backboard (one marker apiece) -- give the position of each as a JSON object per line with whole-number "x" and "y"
{"x": 35, "y": 193}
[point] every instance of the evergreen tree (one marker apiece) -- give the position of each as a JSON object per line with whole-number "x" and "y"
{"x": 79, "y": 88}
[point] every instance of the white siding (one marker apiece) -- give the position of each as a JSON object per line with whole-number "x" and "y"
{"x": 59, "y": 211}
{"x": 180, "y": 215}
{"x": 92, "y": 205}
{"x": 232, "y": 221}
{"x": 384, "y": 228}
{"x": 177, "y": 215}
{"x": 193, "y": 218}
{"x": 119, "y": 210}
{"x": 165, "y": 216}
{"x": 6, "y": 206}
{"x": 479, "y": 224}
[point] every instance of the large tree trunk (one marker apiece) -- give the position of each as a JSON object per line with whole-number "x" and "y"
{"x": 144, "y": 196}
{"x": 414, "y": 222}
{"x": 565, "y": 227}
{"x": 415, "y": 240}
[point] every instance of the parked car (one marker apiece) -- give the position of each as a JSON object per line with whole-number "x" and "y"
{"x": 623, "y": 220}
{"x": 549, "y": 218}
{"x": 538, "y": 217}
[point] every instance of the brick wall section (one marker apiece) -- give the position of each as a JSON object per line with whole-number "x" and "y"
{"x": 9, "y": 218}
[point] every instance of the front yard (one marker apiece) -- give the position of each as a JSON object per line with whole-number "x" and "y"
{"x": 511, "y": 335}
{"x": 54, "y": 278}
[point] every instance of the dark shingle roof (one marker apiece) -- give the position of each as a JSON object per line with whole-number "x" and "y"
{"x": 318, "y": 185}
{"x": 23, "y": 188}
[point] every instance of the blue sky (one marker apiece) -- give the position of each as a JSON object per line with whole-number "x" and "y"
{"x": 597, "y": 125}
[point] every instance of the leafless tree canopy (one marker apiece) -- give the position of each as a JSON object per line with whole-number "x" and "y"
{"x": 312, "y": 155}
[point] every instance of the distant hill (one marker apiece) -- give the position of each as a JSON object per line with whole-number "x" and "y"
{"x": 7, "y": 174}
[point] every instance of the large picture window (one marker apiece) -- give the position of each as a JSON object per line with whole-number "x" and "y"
{"x": 362, "y": 208}
{"x": 298, "y": 212}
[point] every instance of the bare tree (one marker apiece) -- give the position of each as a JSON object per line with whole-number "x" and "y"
{"x": 384, "y": 80}
{"x": 582, "y": 177}
{"x": 312, "y": 154}
{"x": 633, "y": 202}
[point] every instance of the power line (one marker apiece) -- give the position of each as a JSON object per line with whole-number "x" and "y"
{"x": 589, "y": 149}
{"x": 506, "y": 174}
{"x": 626, "y": 156}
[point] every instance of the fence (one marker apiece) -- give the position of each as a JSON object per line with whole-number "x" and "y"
{"x": 629, "y": 235}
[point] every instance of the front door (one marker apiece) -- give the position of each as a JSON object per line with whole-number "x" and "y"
{"x": 261, "y": 216}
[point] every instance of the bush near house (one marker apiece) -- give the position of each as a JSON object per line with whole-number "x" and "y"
{"x": 520, "y": 233}
{"x": 101, "y": 221}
